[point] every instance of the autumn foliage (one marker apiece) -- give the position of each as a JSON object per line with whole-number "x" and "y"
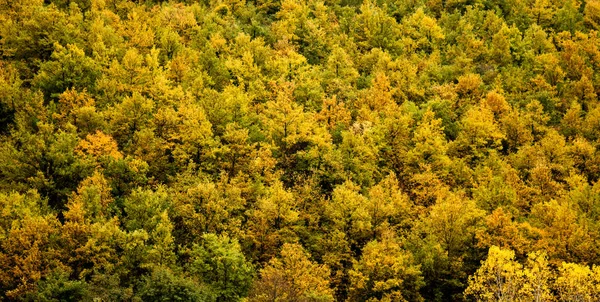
{"x": 333, "y": 150}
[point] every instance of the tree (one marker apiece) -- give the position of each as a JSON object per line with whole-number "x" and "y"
{"x": 144, "y": 208}
{"x": 30, "y": 251}
{"x": 346, "y": 213}
{"x": 375, "y": 28}
{"x": 236, "y": 150}
{"x": 389, "y": 206}
{"x": 219, "y": 264}
{"x": 273, "y": 219}
{"x": 164, "y": 285}
{"x": 576, "y": 282}
{"x": 380, "y": 95}
{"x": 385, "y": 272}
{"x": 541, "y": 12}
{"x": 538, "y": 277}
{"x": 94, "y": 195}
{"x": 360, "y": 152}
{"x": 480, "y": 133}
{"x": 340, "y": 74}
{"x": 43, "y": 158}
{"x": 453, "y": 221}
{"x": 430, "y": 145}
{"x": 501, "y": 230}
{"x": 99, "y": 146}
{"x": 498, "y": 279}
{"x": 568, "y": 17}
{"x": 591, "y": 14}
{"x": 58, "y": 287}
{"x": 564, "y": 237}
{"x": 420, "y": 33}
{"x": 202, "y": 206}
{"x": 69, "y": 69}
{"x": 292, "y": 277}
{"x": 79, "y": 109}
{"x": 194, "y": 136}
{"x": 297, "y": 140}
{"x": 130, "y": 116}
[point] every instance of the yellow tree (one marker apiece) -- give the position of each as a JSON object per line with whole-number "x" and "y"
{"x": 480, "y": 134}
{"x": 298, "y": 141}
{"x": 453, "y": 221}
{"x": 498, "y": 279}
{"x": 79, "y": 109}
{"x": 380, "y": 95}
{"x": 203, "y": 206}
{"x": 375, "y": 28}
{"x": 193, "y": 135}
{"x": 235, "y": 151}
{"x": 389, "y": 206}
{"x": 538, "y": 277}
{"x": 94, "y": 195}
{"x": 292, "y": 277}
{"x": 334, "y": 114}
{"x": 541, "y": 12}
{"x": 501, "y": 230}
{"x": 421, "y": 32}
{"x": 99, "y": 147}
{"x": 385, "y": 272}
{"x": 575, "y": 282}
{"x": 430, "y": 145}
{"x": 395, "y": 142}
{"x": 272, "y": 219}
{"x": 565, "y": 236}
{"x": 346, "y": 213}
{"x": 29, "y": 243}
{"x": 339, "y": 74}
{"x": 592, "y": 14}
{"x": 360, "y": 152}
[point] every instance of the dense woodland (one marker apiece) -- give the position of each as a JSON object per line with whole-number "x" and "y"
{"x": 319, "y": 150}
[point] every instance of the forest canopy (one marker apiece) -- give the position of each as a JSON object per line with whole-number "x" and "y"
{"x": 299, "y": 150}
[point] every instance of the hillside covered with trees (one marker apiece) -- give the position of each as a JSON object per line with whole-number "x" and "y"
{"x": 299, "y": 150}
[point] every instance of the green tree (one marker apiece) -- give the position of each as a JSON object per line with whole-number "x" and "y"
{"x": 219, "y": 263}
{"x": 164, "y": 285}
{"x": 70, "y": 68}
